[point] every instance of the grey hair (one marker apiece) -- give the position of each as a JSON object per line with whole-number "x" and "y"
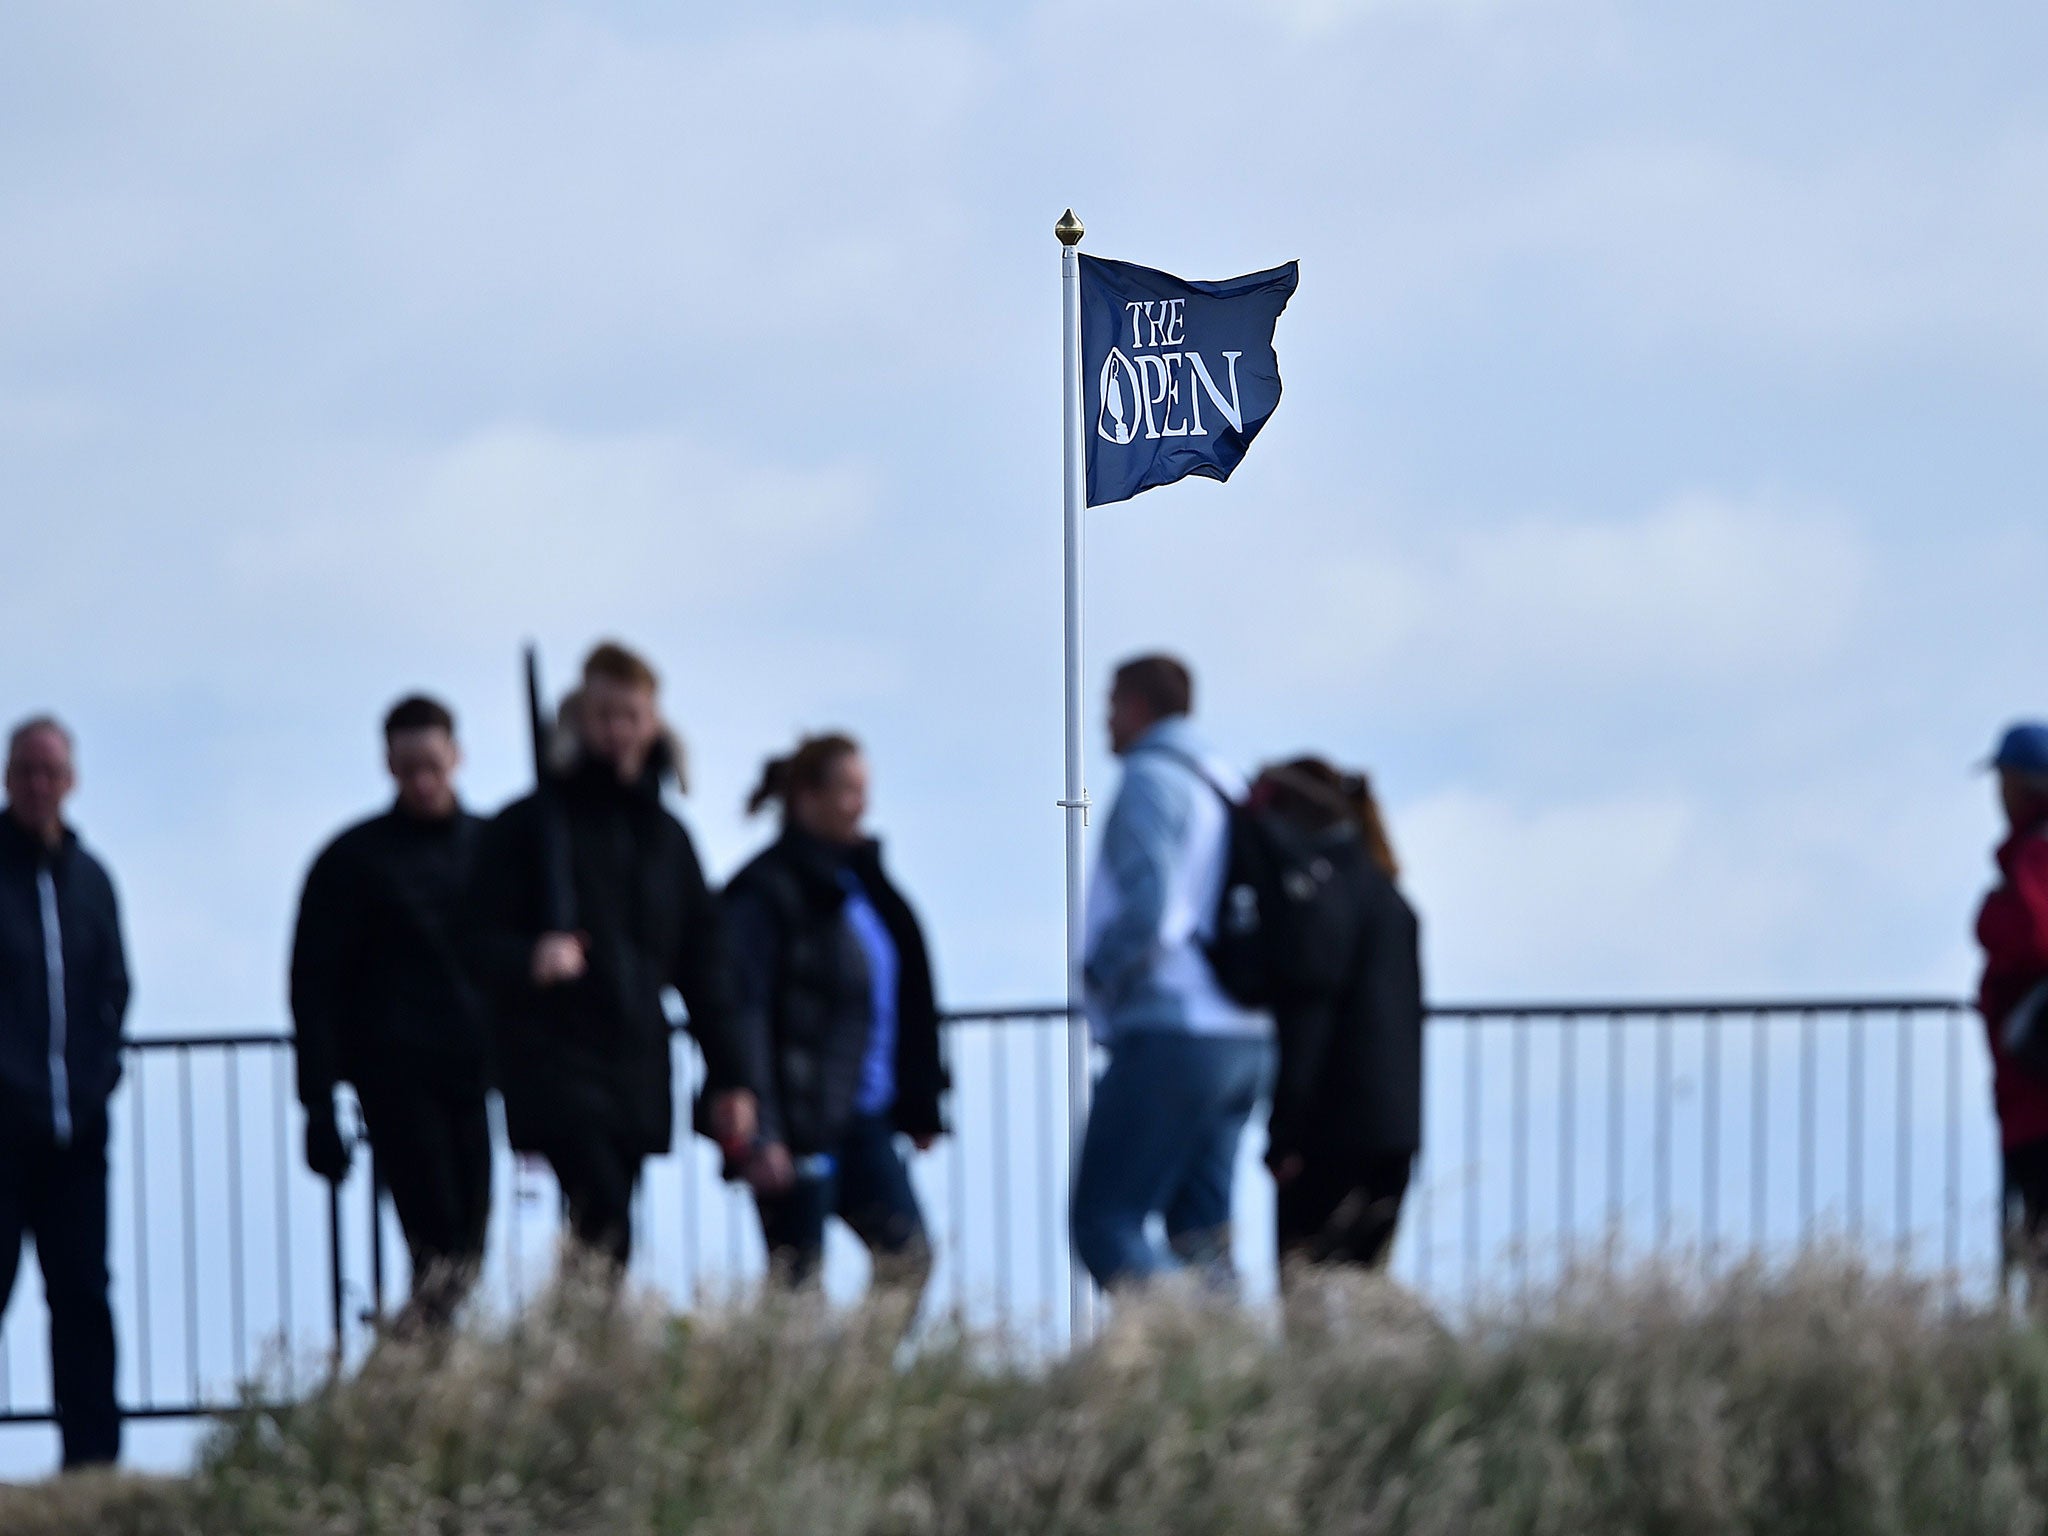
{"x": 21, "y": 733}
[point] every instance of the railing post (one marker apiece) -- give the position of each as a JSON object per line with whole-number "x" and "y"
{"x": 334, "y": 1273}
{"x": 376, "y": 1240}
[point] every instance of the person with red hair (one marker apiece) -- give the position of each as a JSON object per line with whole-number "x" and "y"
{"x": 1347, "y": 1105}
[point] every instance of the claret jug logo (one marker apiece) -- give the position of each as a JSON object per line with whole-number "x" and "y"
{"x": 1157, "y": 388}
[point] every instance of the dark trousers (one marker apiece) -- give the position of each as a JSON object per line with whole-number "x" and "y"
{"x": 868, "y": 1187}
{"x": 2026, "y": 1185}
{"x": 598, "y": 1168}
{"x": 1342, "y": 1213}
{"x": 58, "y": 1196}
{"x": 431, "y": 1136}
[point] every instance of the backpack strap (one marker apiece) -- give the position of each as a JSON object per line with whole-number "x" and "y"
{"x": 1195, "y": 766}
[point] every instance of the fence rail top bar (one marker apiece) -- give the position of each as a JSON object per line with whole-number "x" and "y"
{"x": 1633, "y": 1008}
{"x": 1629, "y": 1008}
{"x": 1651, "y": 1008}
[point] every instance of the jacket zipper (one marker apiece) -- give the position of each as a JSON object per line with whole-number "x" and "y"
{"x": 53, "y": 963}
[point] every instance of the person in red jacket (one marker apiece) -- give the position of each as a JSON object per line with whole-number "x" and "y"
{"x": 2012, "y": 927}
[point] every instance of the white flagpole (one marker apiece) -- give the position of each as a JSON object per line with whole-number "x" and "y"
{"x": 1075, "y": 801}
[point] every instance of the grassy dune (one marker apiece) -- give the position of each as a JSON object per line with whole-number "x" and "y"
{"x": 1824, "y": 1400}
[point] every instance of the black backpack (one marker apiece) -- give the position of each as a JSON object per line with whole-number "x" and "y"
{"x": 1282, "y": 933}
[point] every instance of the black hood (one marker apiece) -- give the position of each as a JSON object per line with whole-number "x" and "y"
{"x": 593, "y": 778}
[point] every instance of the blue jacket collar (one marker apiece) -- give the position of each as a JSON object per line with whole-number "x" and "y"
{"x": 1176, "y": 733}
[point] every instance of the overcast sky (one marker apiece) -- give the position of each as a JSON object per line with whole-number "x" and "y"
{"x": 1654, "y": 508}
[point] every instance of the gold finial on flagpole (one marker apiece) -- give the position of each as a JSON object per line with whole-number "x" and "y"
{"x": 1068, "y": 229}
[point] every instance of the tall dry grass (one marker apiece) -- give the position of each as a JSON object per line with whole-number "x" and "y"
{"x": 1821, "y": 1400}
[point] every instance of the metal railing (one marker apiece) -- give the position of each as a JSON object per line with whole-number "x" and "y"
{"x": 1702, "y": 1132}
{"x": 222, "y": 1247}
{"x": 1706, "y": 1131}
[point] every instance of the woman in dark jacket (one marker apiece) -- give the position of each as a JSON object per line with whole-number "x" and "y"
{"x": 831, "y": 957}
{"x": 1347, "y": 1107}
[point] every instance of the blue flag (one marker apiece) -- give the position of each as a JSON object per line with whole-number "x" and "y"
{"x": 1176, "y": 377}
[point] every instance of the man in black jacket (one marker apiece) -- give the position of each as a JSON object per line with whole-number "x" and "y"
{"x": 63, "y": 995}
{"x": 380, "y": 1000}
{"x": 583, "y": 1036}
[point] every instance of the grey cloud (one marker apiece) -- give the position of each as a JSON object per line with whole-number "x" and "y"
{"x": 356, "y": 344}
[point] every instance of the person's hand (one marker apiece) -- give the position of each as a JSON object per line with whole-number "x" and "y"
{"x": 769, "y": 1170}
{"x": 1284, "y": 1166}
{"x": 734, "y": 1118}
{"x": 559, "y": 958}
{"x": 326, "y": 1153}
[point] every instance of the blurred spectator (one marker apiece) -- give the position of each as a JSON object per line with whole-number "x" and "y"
{"x": 2012, "y": 927}
{"x": 583, "y": 1036}
{"x": 1347, "y": 1105}
{"x": 63, "y": 995}
{"x": 833, "y": 962}
{"x": 380, "y": 1000}
{"x": 1187, "y": 1065}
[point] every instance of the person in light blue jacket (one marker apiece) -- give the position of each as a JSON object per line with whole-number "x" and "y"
{"x": 1187, "y": 1065}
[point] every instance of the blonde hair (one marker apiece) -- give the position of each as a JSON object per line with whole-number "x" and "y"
{"x": 613, "y": 662}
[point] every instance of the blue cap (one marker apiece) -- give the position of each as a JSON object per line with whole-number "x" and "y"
{"x": 2023, "y": 749}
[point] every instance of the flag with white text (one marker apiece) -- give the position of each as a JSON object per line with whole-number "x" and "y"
{"x": 1177, "y": 377}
